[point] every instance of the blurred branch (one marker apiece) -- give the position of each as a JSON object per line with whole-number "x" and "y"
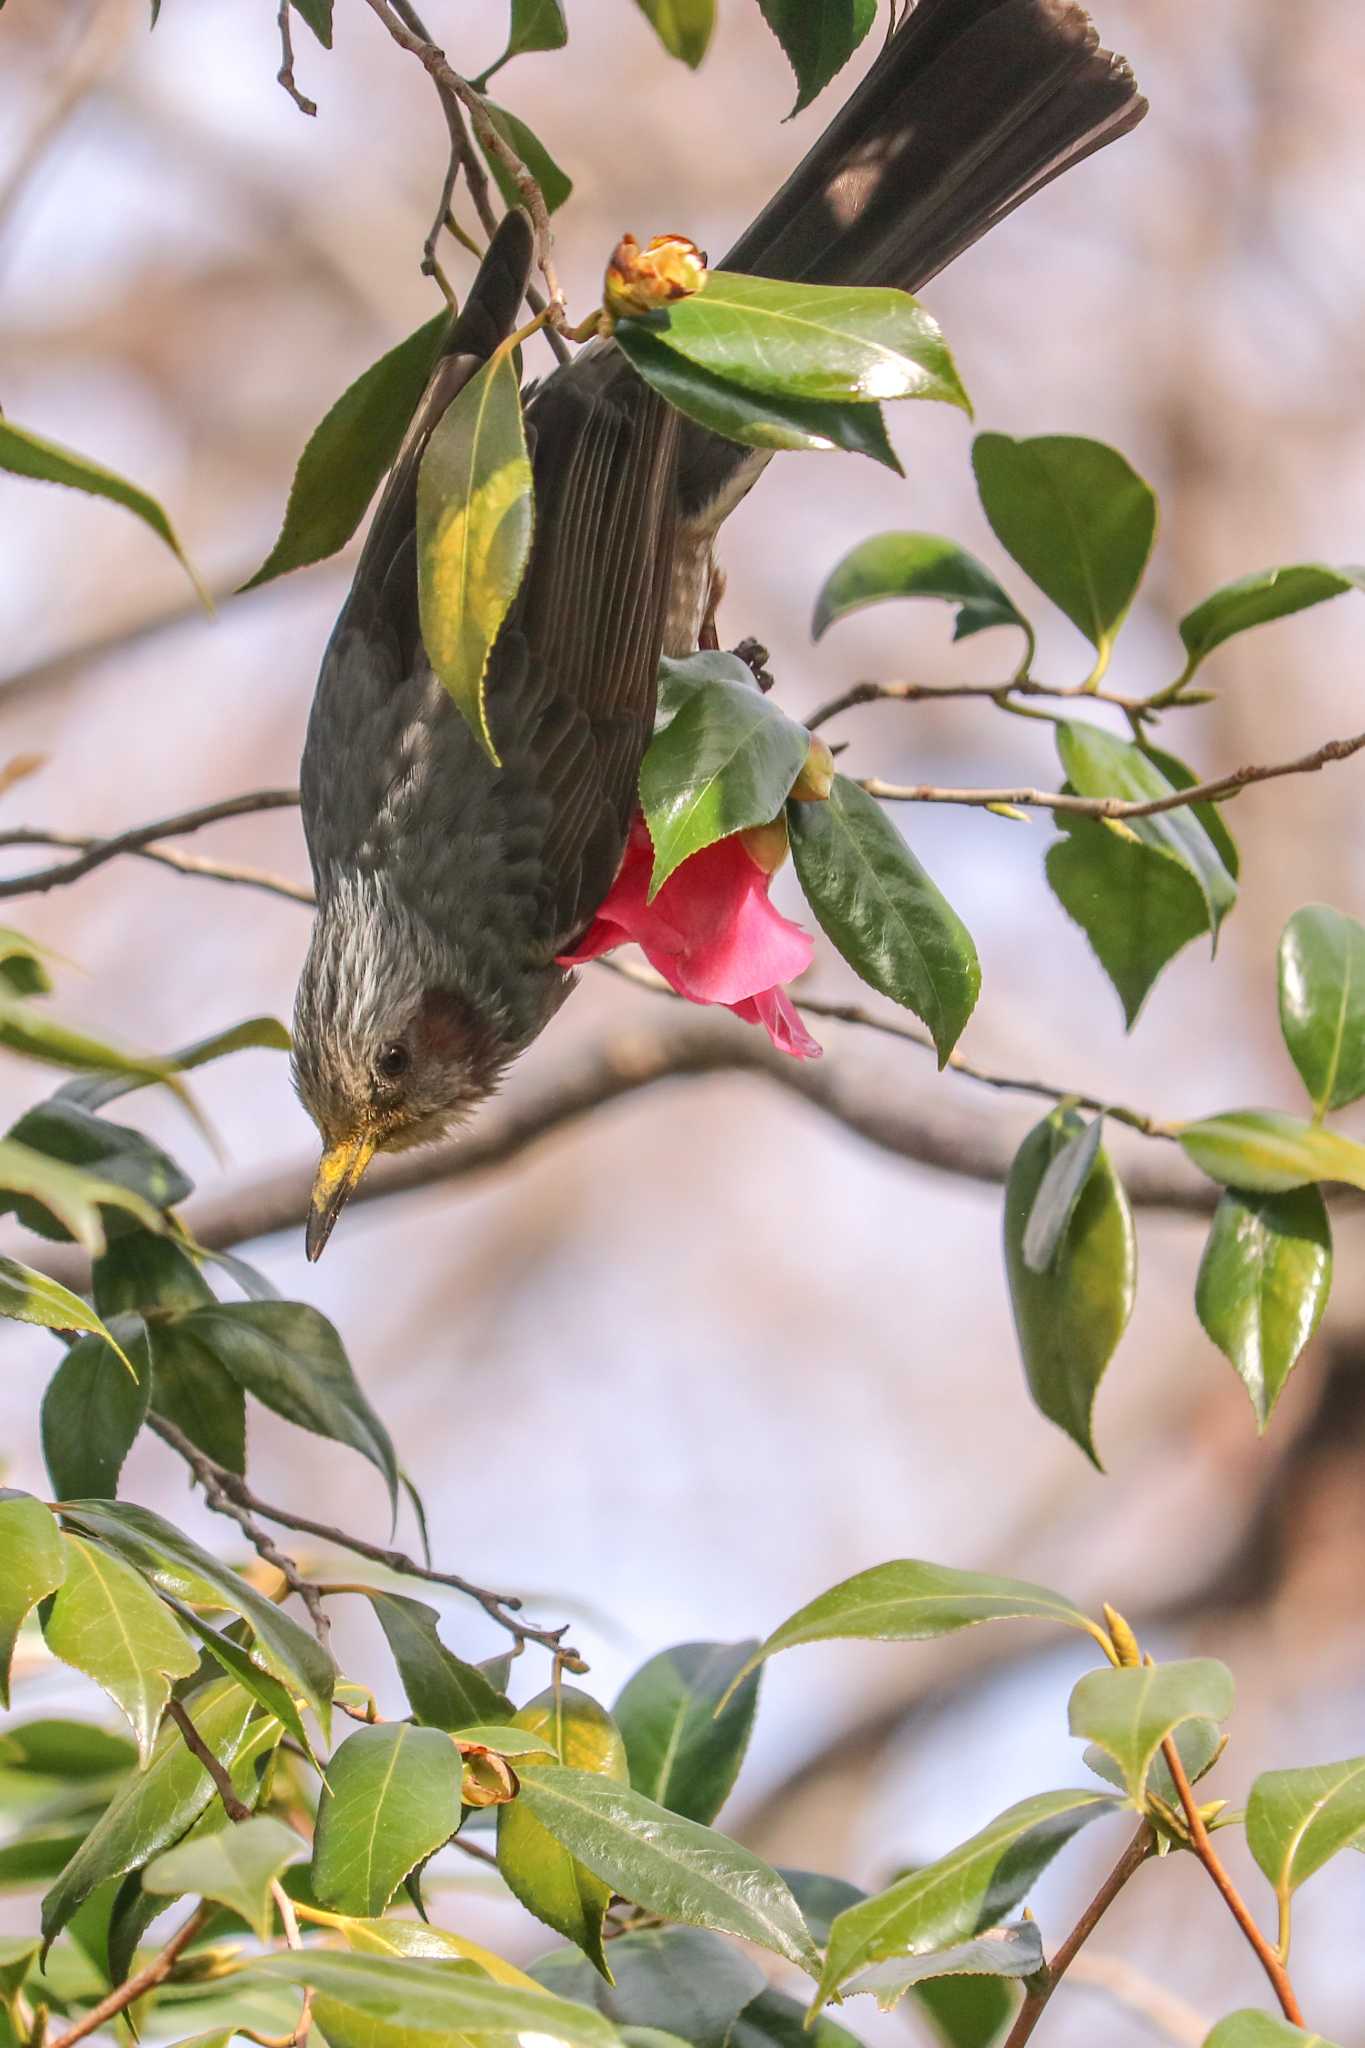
{"x": 137, "y": 838}
{"x": 170, "y": 857}
{"x": 137, "y": 1986}
{"x": 96, "y": 53}
{"x": 285, "y": 74}
{"x": 1138, "y": 1994}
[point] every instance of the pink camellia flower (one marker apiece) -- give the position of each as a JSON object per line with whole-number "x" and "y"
{"x": 710, "y": 932}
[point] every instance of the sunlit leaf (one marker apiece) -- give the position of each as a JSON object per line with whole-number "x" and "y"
{"x": 418, "y": 1938}
{"x": 443, "y": 1690}
{"x": 95, "y": 1404}
{"x": 235, "y": 1866}
{"x": 65, "y": 1168}
{"x": 819, "y": 37}
{"x": 27, "y": 1296}
{"x": 318, "y": 15}
{"x": 1198, "y": 1743}
{"x": 24, "y": 453}
{"x": 998, "y": 1952}
{"x": 438, "y": 1998}
{"x": 897, "y": 565}
{"x": 1263, "y": 1285}
{"x": 32, "y": 1565}
{"x": 1259, "y": 2030}
{"x": 392, "y": 1799}
{"x": 94, "y": 1091}
{"x": 1256, "y": 599}
{"x": 725, "y": 761}
{"x": 1098, "y": 764}
{"x": 1298, "y": 1820}
{"x": 1267, "y": 1152}
{"x": 537, "y": 1869}
{"x": 555, "y": 184}
{"x": 683, "y": 1753}
{"x": 1129, "y": 1713}
{"x": 1059, "y": 1191}
{"x": 681, "y": 1980}
{"x": 1322, "y": 1003}
{"x": 684, "y": 27}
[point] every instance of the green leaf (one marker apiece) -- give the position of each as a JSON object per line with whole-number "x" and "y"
{"x": 17, "y": 1952}
{"x": 1059, "y": 1191}
{"x": 32, "y": 1565}
{"x": 536, "y": 1869}
{"x": 94, "y": 1406}
{"x": 24, "y": 453}
{"x": 419, "y": 1938}
{"x": 1259, "y": 2030}
{"x": 1263, "y": 1285}
{"x": 474, "y": 518}
{"x": 439, "y": 1998}
{"x": 967, "y": 2012}
{"x": 291, "y": 1358}
{"x": 536, "y": 25}
{"x": 683, "y": 679}
{"x": 442, "y": 1689}
{"x": 74, "y": 1750}
{"x": 755, "y": 419}
{"x": 1129, "y": 1713}
{"x": 970, "y": 1889}
{"x": 680, "y": 1980}
{"x": 1076, "y": 517}
{"x": 194, "y": 1390}
{"x": 821, "y": 1899}
{"x": 555, "y": 184}
{"x": 114, "y": 1154}
{"x": 1267, "y": 1152}
{"x": 1298, "y": 1820}
{"x": 93, "y": 1091}
{"x": 879, "y": 907}
{"x": 179, "y": 1567}
{"x": 318, "y": 15}
{"x": 684, "y": 27}
{"x": 666, "y": 1864}
{"x": 235, "y": 1867}
{"x": 350, "y": 452}
{"x": 916, "y": 565}
{"x": 1098, "y": 764}
{"x": 34, "y": 1034}
{"x": 140, "y": 1272}
{"x": 819, "y": 37}
{"x": 909, "y": 1601}
{"x": 392, "y": 1799}
{"x": 820, "y": 344}
{"x": 1136, "y": 907}
{"x": 726, "y": 761}
{"x": 1322, "y": 1003}
{"x": 1255, "y": 600}
{"x": 998, "y": 1952}
{"x": 107, "y": 1622}
{"x": 1199, "y": 1744}
{"x": 23, "y": 971}
{"x": 237, "y": 1661}
{"x": 772, "y": 2020}
{"x": 683, "y": 1747}
{"x": 60, "y": 1201}
{"x": 156, "y": 1808}
{"x": 506, "y": 1739}
{"x": 27, "y": 1296}
{"x": 1070, "y": 1316}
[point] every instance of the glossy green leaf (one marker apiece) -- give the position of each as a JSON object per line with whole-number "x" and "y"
{"x": 1070, "y": 1316}
{"x": 683, "y": 1753}
{"x": 821, "y": 344}
{"x": 1098, "y": 764}
{"x": 1259, "y": 2030}
{"x": 1257, "y": 599}
{"x": 61, "y": 1201}
{"x": 507, "y": 1739}
{"x": 666, "y": 1864}
{"x": 555, "y": 184}
{"x": 193, "y": 1389}
{"x": 1322, "y": 1003}
{"x": 679, "y": 1980}
{"x": 419, "y": 1938}
{"x": 291, "y": 1358}
{"x": 474, "y": 517}
{"x": 879, "y": 907}
{"x": 819, "y": 37}
{"x": 1298, "y": 1820}
{"x": 442, "y": 1689}
{"x": 1263, "y": 1285}
{"x": 1128, "y": 1713}
{"x": 94, "y": 1406}
{"x": 684, "y": 27}
{"x": 439, "y": 1998}
{"x": 1199, "y": 1744}
{"x": 350, "y": 452}
{"x": 234, "y": 1658}
{"x": 318, "y": 15}
{"x": 772, "y": 2020}
{"x": 107, "y": 1622}
{"x": 1268, "y": 1152}
{"x": 1136, "y": 907}
{"x": 71, "y": 1135}
{"x": 821, "y": 1899}
{"x": 536, "y": 25}
{"x": 892, "y": 565}
{"x": 1059, "y": 1191}
{"x": 997, "y": 1952}
{"x": 970, "y": 1889}
{"x": 755, "y": 419}
{"x": 34, "y": 1034}
{"x": 155, "y": 1808}
{"x": 392, "y": 1799}
{"x": 683, "y": 679}
{"x": 23, "y": 453}
{"x": 140, "y": 1272}
{"x": 235, "y": 1866}
{"x": 32, "y": 1565}
{"x": 179, "y": 1567}
{"x": 726, "y": 761}
{"x": 27, "y": 1296}
{"x": 93, "y": 1091}
{"x": 1076, "y": 517}
{"x": 535, "y": 1866}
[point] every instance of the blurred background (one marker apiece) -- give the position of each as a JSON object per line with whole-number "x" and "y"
{"x": 687, "y": 1363}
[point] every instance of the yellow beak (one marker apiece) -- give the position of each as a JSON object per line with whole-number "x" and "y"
{"x": 338, "y": 1175}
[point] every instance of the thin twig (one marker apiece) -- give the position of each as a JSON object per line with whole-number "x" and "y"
{"x": 234, "y": 1808}
{"x": 1118, "y": 1979}
{"x": 1031, "y": 2011}
{"x": 98, "y": 50}
{"x": 139, "y": 836}
{"x": 285, "y": 74}
{"x": 469, "y": 1848}
{"x": 933, "y": 693}
{"x": 171, "y": 857}
{"x": 137, "y": 1986}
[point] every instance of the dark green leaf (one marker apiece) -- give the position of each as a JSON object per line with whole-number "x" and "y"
{"x": 1259, "y": 2030}
{"x": 93, "y": 1409}
{"x": 1298, "y": 1820}
{"x": 38, "y": 1855}
{"x": 820, "y": 1898}
{"x": 754, "y": 419}
{"x": 1263, "y": 1285}
{"x": 442, "y": 1689}
{"x": 997, "y": 1952}
{"x": 22, "y": 968}
{"x": 1069, "y": 1318}
{"x": 1136, "y": 907}
{"x": 666, "y": 1864}
{"x": 1268, "y": 1152}
{"x": 916, "y": 565}
{"x": 27, "y": 1296}
{"x": 879, "y": 907}
{"x": 1059, "y": 1191}
{"x": 682, "y": 1752}
{"x": 536, "y": 25}
{"x": 555, "y": 184}
{"x": 17, "y": 1952}
{"x": 93, "y": 1091}
{"x": 237, "y": 1661}
{"x": 107, "y": 1622}
{"x": 392, "y": 1799}
{"x": 772, "y": 2020}
{"x": 1098, "y": 764}
{"x": 26, "y": 454}
{"x": 439, "y": 1998}
{"x": 536, "y": 1869}
{"x": 140, "y": 1272}
{"x": 73, "y": 1750}
{"x": 970, "y": 1889}
{"x": 32, "y": 1565}
{"x": 318, "y": 15}
{"x": 967, "y": 2012}
{"x": 725, "y": 761}
{"x": 234, "y": 1866}
{"x": 350, "y": 452}
{"x": 1129, "y": 1713}
{"x": 115, "y": 1155}
{"x": 1255, "y": 600}
{"x": 684, "y": 27}
{"x": 819, "y": 37}
{"x": 1199, "y": 1744}
{"x": 1322, "y": 1003}
{"x": 194, "y": 1390}
{"x": 680, "y": 1980}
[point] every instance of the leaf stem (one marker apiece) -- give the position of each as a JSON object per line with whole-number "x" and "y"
{"x": 1031, "y": 2011}
{"x": 234, "y": 1808}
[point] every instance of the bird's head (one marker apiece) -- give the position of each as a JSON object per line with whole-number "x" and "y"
{"x": 389, "y": 1049}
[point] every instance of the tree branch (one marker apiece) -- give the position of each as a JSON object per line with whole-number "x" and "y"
{"x": 1031, "y": 2011}
{"x": 138, "y": 837}
{"x": 235, "y": 1809}
{"x": 285, "y": 74}
{"x": 170, "y": 857}
{"x": 1151, "y": 2002}
{"x": 933, "y": 693}
{"x": 137, "y": 1986}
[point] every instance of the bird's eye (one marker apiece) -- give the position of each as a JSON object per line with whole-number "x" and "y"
{"x": 393, "y": 1061}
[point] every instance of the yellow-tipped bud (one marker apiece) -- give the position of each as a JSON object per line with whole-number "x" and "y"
{"x": 1121, "y": 1636}
{"x": 644, "y": 280}
{"x": 767, "y": 844}
{"x": 814, "y": 783}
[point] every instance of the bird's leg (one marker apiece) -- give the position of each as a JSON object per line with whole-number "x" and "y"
{"x": 709, "y": 639}
{"x": 755, "y": 658}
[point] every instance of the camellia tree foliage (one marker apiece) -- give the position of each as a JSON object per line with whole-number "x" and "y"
{"x": 250, "y": 1786}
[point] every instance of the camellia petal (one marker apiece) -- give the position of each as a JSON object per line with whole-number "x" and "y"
{"x": 782, "y": 1021}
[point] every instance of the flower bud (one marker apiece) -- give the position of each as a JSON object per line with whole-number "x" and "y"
{"x": 816, "y": 779}
{"x": 489, "y": 1779}
{"x": 1122, "y": 1637}
{"x": 767, "y": 845}
{"x": 644, "y": 280}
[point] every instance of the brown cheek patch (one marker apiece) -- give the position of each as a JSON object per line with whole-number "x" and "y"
{"x": 451, "y": 1031}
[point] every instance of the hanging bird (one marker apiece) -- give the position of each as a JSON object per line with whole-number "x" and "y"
{"x": 448, "y": 887}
